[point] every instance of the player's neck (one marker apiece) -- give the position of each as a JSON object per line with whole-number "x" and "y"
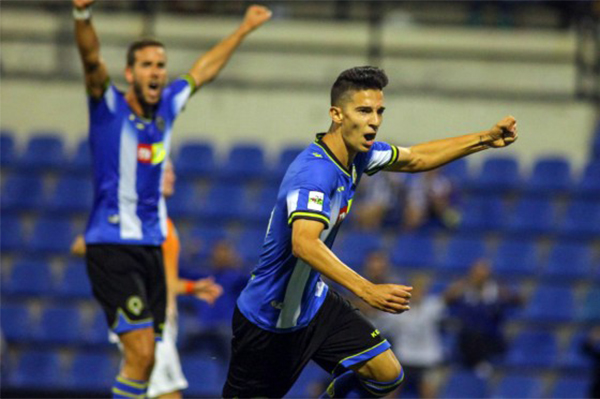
{"x": 140, "y": 108}
{"x": 334, "y": 140}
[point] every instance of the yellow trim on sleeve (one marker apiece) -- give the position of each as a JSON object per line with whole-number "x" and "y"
{"x": 395, "y": 153}
{"x": 132, "y": 383}
{"x": 191, "y": 81}
{"x": 316, "y": 215}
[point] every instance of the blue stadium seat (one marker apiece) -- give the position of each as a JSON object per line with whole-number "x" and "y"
{"x": 464, "y": 384}
{"x": 457, "y": 171}
{"x": 531, "y": 217}
{"x": 60, "y": 325}
{"x": 91, "y": 372}
{"x": 44, "y": 151}
{"x": 202, "y": 238}
{"x": 38, "y": 370}
{"x": 311, "y": 377}
{"x": 258, "y": 210}
{"x": 51, "y": 235}
{"x": 532, "y": 349}
{"x": 29, "y": 277}
{"x": 572, "y": 358}
{"x": 550, "y": 175}
{"x": 184, "y": 202}
{"x": 568, "y": 261}
{"x": 205, "y": 376}
{"x": 245, "y": 162}
{"x": 80, "y": 163}
{"x": 75, "y": 282}
{"x": 482, "y": 213}
{"x": 498, "y": 174}
{"x": 7, "y": 148}
{"x": 414, "y": 251}
{"x": 518, "y": 386}
{"x": 249, "y": 245}
{"x": 195, "y": 160}
{"x": 588, "y": 186}
{"x": 515, "y": 258}
{"x": 353, "y": 247}
{"x": 550, "y": 304}
{"x": 22, "y": 192}
{"x": 582, "y": 220}
{"x": 16, "y": 322}
{"x": 224, "y": 202}
{"x": 97, "y": 332}
{"x": 286, "y": 157}
{"x": 570, "y": 388}
{"x": 71, "y": 194}
{"x": 461, "y": 253}
{"x": 590, "y": 310}
{"x": 12, "y": 238}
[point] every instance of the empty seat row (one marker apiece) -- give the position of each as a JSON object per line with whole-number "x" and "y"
{"x": 497, "y": 174}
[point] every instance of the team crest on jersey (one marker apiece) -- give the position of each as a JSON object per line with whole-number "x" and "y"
{"x": 315, "y": 200}
{"x": 151, "y": 153}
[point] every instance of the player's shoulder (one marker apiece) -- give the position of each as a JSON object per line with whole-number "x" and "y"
{"x": 313, "y": 166}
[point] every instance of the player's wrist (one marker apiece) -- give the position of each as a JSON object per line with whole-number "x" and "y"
{"x": 82, "y": 14}
{"x": 189, "y": 288}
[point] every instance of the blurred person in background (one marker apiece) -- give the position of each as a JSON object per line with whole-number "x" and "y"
{"x": 167, "y": 379}
{"x": 429, "y": 202}
{"x": 417, "y": 340}
{"x": 381, "y": 200}
{"x": 130, "y": 137}
{"x": 591, "y": 346}
{"x": 480, "y": 303}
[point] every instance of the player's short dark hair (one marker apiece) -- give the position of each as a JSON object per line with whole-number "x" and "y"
{"x": 357, "y": 78}
{"x": 138, "y": 45}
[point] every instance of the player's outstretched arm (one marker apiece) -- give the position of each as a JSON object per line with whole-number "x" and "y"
{"x": 436, "y": 153}
{"x": 88, "y": 44}
{"x": 307, "y": 246}
{"x": 205, "y": 289}
{"x": 208, "y": 66}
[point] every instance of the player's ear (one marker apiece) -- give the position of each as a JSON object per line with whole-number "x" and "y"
{"x": 129, "y": 75}
{"x": 336, "y": 114}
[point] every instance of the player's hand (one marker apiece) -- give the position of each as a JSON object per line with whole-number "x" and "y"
{"x": 255, "y": 16}
{"x": 504, "y": 133}
{"x": 391, "y": 298}
{"x": 82, "y": 4}
{"x": 207, "y": 290}
{"x": 78, "y": 246}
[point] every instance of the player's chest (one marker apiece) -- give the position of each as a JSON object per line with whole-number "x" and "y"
{"x": 150, "y": 136}
{"x": 343, "y": 195}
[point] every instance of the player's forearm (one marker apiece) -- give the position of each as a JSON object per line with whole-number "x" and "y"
{"x": 87, "y": 43}
{"x": 207, "y": 67}
{"x": 322, "y": 259}
{"x": 182, "y": 287}
{"x": 436, "y": 153}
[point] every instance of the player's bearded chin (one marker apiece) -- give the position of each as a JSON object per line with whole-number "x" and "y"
{"x": 139, "y": 93}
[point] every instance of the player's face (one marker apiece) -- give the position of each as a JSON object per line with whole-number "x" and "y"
{"x": 169, "y": 178}
{"x": 148, "y": 75}
{"x": 361, "y": 117}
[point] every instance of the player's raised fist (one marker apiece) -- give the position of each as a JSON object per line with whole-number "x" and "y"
{"x": 504, "y": 133}
{"x": 82, "y": 4}
{"x": 256, "y": 16}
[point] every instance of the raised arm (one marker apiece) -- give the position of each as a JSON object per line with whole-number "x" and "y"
{"x": 208, "y": 66}
{"x": 427, "y": 156}
{"x": 88, "y": 44}
{"x": 307, "y": 246}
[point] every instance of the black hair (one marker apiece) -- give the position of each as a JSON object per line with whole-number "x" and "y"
{"x": 138, "y": 45}
{"x": 357, "y": 78}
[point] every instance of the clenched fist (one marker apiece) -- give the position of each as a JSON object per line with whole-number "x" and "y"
{"x": 255, "y": 16}
{"x": 504, "y": 133}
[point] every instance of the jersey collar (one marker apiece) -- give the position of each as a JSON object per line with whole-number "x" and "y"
{"x": 319, "y": 142}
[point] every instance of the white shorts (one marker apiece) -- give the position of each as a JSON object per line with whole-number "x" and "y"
{"x": 167, "y": 375}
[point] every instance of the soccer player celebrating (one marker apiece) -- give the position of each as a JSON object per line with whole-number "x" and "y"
{"x": 287, "y": 315}
{"x": 130, "y": 137}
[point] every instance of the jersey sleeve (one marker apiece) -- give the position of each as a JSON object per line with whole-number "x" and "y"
{"x": 379, "y": 156}
{"x": 106, "y": 105}
{"x": 310, "y": 195}
{"x": 178, "y": 93}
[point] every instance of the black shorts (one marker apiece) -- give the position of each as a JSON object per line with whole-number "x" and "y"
{"x": 129, "y": 282}
{"x": 266, "y": 364}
